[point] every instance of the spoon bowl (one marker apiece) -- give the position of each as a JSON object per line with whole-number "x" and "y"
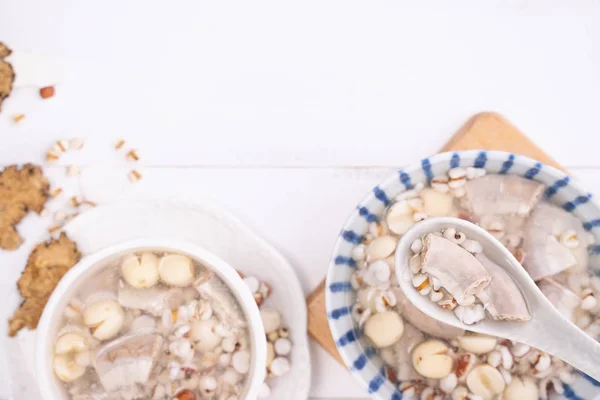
{"x": 548, "y": 330}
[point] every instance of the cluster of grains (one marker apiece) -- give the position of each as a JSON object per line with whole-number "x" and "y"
{"x": 76, "y": 203}
{"x": 475, "y": 366}
{"x": 131, "y": 155}
{"x": 279, "y": 343}
{"x": 63, "y": 145}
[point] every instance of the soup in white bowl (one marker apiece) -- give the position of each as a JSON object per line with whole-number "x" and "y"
{"x": 154, "y": 322}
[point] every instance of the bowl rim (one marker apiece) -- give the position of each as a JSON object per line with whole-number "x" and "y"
{"x": 90, "y": 264}
{"x": 496, "y": 155}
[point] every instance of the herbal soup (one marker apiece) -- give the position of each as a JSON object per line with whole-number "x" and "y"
{"x": 153, "y": 326}
{"x": 434, "y": 361}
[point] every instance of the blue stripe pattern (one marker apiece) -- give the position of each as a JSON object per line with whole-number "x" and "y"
{"x": 364, "y": 212}
{"x": 570, "y": 394}
{"x": 348, "y": 337}
{"x": 340, "y": 312}
{"x": 361, "y": 361}
{"x": 426, "y": 165}
{"x": 531, "y": 172}
{"x": 376, "y": 383}
{"x": 455, "y": 160}
{"x": 341, "y": 260}
{"x": 579, "y": 200}
{"x": 337, "y": 287}
{"x": 481, "y": 160}
{"x": 380, "y": 194}
{"x": 594, "y": 249}
{"x": 553, "y": 189}
{"x": 588, "y": 226}
{"x": 405, "y": 180}
{"x": 589, "y": 379}
{"x": 351, "y": 237}
{"x": 507, "y": 165}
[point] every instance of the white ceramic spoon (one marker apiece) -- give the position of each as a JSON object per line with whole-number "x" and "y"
{"x": 547, "y": 330}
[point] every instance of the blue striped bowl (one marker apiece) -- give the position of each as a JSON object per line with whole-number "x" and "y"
{"x": 360, "y": 357}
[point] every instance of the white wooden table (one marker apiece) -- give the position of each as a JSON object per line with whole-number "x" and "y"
{"x": 287, "y": 113}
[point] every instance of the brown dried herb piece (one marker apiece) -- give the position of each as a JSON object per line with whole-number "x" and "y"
{"x": 27, "y": 315}
{"x": 7, "y": 74}
{"x": 21, "y": 190}
{"x": 47, "y": 264}
{"x": 4, "y": 50}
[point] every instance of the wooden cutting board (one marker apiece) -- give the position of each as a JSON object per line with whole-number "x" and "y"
{"x": 484, "y": 131}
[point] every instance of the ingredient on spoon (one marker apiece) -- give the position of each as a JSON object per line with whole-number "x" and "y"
{"x": 455, "y": 273}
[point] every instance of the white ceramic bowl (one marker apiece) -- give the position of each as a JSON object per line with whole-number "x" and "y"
{"x": 358, "y": 354}
{"x": 52, "y": 388}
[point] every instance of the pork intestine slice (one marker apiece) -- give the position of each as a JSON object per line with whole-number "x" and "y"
{"x": 544, "y": 254}
{"x": 502, "y": 298}
{"x": 127, "y": 361}
{"x": 502, "y": 199}
{"x": 222, "y": 301}
{"x": 151, "y": 300}
{"x": 502, "y": 195}
{"x": 456, "y": 270}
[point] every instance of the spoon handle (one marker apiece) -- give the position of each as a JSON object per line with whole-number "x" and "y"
{"x": 567, "y": 342}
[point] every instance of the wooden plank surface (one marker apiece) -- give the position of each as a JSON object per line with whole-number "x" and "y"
{"x": 486, "y": 131}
